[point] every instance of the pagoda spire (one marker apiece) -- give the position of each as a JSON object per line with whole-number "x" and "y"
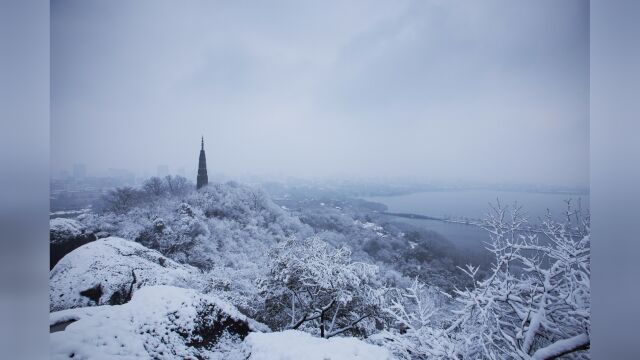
{"x": 203, "y": 179}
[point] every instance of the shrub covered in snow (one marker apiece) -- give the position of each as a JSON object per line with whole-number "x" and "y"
{"x": 237, "y": 286}
{"x": 61, "y": 229}
{"x": 160, "y": 322}
{"x": 109, "y": 271}
{"x": 416, "y": 316}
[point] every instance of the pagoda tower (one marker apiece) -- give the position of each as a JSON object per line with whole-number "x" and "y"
{"x": 203, "y": 179}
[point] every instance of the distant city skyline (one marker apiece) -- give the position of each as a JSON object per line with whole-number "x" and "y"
{"x": 138, "y": 177}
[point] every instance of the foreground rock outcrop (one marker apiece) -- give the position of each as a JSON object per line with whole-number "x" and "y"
{"x": 66, "y": 235}
{"x": 109, "y": 271}
{"x": 160, "y": 322}
{"x": 170, "y": 323}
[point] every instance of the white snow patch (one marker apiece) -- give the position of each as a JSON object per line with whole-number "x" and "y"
{"x": 70, "y": 212}
{"x": 295, "y": 345}
{"x": 369, "y": 225}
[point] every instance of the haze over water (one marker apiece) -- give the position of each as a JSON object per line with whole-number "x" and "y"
{"x": 474, "y": 204}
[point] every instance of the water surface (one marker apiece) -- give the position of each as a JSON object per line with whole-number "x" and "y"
{"x": 474, "y": 204}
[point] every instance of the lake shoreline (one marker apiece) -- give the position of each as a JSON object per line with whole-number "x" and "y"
{"x": 463, "y": 211}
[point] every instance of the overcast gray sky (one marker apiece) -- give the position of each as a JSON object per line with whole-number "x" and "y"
{"x": 490, "y": 90}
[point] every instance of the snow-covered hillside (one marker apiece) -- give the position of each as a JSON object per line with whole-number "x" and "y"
{"x": 223, "y": 223}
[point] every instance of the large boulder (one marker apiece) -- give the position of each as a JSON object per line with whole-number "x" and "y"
{"x": 110, "y": 270}
{"x": 160, "y": 322}
{"x": 65, "y": 235}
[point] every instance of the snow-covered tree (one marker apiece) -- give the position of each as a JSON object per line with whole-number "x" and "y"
{"x": 121, "y": 200}
{"x": 177, "y": 185}
{"x": 154, "y": 186}
{"x": 415, "y": 315}
{"x": 315, "y": 287}
{"x": 536, "y": 302}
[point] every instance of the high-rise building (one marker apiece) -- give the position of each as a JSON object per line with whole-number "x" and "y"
{"x": 203, "y": 180}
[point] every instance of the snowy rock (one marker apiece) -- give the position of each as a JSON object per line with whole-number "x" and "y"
{"x": 294, "y": 345}
{"x": 109, "y": 271}
{"x": 61, "y": 229}
{"x": 102, "y": 234}
{"x": 160, "y": 322}
{"x": 65, "y": 235}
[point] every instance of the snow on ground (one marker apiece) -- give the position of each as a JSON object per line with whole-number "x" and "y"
{"x": 368, "y": 225}
{"x": 64, "y": 213}
{"x": 170, "y": 323}
{"x": 160, "y": 322}
{"x": 371, "y": 226}
{"x": 108, "y": 271}
{"x": 62, "y": 229}
{"x": 295, "y": 345}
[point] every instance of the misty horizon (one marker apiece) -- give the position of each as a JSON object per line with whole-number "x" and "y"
{"x": 448, "y": 92}
{"x": 191, "y": 173}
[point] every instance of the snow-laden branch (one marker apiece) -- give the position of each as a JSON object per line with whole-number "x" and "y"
{"x": 563, "y": 347}
{"x": 537, "y": 295}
